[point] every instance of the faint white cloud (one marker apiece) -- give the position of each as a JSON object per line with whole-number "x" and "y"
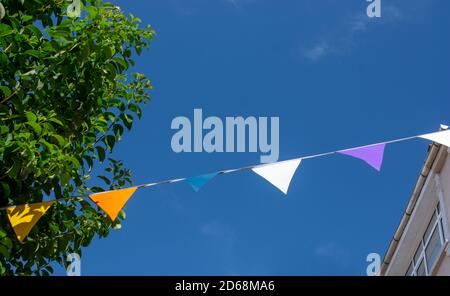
{"x": 190, "y": 8}
{"x": 235, "y": 3}
{"x": 316, "y": 52}
{"x": 333, "y": 253}
{"x": 239, "y": 4}
{"x": 358, "y": 23}
{"x": 223, "y": 239}
{"x": 327, "y": 250}
{"x": 343, "y": 38}
{"x": 172, "y": 201}
{"x": 393, "y": 14}
{"x": 220, "y": 232}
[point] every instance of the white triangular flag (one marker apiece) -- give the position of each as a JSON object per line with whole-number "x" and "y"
{"x": 280, "y": 173}
{"x": 442, "y": 137}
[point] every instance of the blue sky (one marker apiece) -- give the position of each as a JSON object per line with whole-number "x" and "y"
{"x": 335, "y": 78}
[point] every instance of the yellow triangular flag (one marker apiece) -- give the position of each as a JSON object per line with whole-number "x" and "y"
{"x": 23, "y": 218}
{"x": 112, "y": 201}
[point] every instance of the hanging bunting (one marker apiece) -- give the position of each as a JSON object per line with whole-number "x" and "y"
{"x": 113, "y": 201}
{"x": 24, "y": 217}
{"x": 372, "y": 155}
{"x": 442, "y": 137}
{"x": 198, "y": 182}
{"x": 279, "y": 174}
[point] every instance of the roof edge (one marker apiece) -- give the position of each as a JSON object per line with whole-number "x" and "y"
{"x": 433, "y": 152}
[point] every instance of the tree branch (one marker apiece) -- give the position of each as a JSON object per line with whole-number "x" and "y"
{"x": 9, "y": 97}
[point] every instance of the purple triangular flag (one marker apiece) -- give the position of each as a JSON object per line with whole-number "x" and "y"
{"x": 372, "y": 155}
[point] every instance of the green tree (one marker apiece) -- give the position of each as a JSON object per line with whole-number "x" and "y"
{"x": 66, "y": 95}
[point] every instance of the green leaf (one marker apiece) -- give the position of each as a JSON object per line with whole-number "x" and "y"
{"x": 40, "y": 85}
{"x": 5, "y": 252}
{"x": 7, "y": 243}
{"x": 64, "y": 243}
{"x": 107, "y": 52}
{"x": 65, "y": 178}
{"x": 127, "y": 120}
{"x": 123, "y": 64}
{"x": 5, "y": 30}
{"x": 105, "y": 179}
{"x": 35, "y": 30}
{"x": 6, "y": 91}
{"x": 34, "y": 53}
{"x": 53, "y": 227}
{"x": 110, "y": 140}
{"x": 3, "y": 129}
{"x": 89, "y": 161}
{"x": 108, "y": 5}
{"x": 13, "y": 171}
{"x": 50, "y": 147}
{"x": 75, "y": 162}
{"x": 2, "y": 233}
{"x": 97, "y": 189}
{"x": 100, "y": 153}
{"x": 85, "y": 52}
{"x": 122, "y": 215}
{"x": 26, "y": 18}
{"x": 66, "y": 23}
{"x": 49, "y": 269}
{"x": 93, "y": 11}
{"x": 6, "y": 189}
{"x": 36, "y": 127}
{"x": 69, "y": 224}
{"x": 118, "y": 131}
{"x": 31, "y": 117}
{"x": 3, "y": 59}
{"x": 61, "y": 140}
{"x": 2, "y": 11}
{"x": 135, "y": 108}
{"x": 57, "y": 121}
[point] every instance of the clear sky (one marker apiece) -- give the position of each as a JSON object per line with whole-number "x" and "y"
{"x": 335, "y": 78}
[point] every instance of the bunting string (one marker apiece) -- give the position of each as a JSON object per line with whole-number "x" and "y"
{"x": 23, "y": 217}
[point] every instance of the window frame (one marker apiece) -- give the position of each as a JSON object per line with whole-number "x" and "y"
{"x": 424, "y": 244}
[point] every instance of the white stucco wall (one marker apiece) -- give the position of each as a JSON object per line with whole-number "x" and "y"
{"x": 445, "y": 186}
{"x": 420, "y": 217}
{"x": 444, "y": 178}
{"x": 444, "y": 267}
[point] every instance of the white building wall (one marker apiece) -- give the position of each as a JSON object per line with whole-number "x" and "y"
{"x": 444, "y": 267}
{"x": 436, "y": 188}
{"x": 444, "y": 180}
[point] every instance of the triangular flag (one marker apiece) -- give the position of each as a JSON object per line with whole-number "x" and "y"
{"x": 372, "y": 155}
{"x": 280, "y": 173}
{"x": 112, "y": 201}
{"x": 198, "y": 182}
{"x": 442, "y": 137}
{"x": 24, "y": 217}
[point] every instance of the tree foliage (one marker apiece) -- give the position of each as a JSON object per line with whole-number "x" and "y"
{"x": 66, "y": 97}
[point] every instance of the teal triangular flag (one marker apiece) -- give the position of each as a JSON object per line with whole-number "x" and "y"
{"x": 198, "y": 182}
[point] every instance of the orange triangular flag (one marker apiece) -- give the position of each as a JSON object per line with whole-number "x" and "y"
{"x": 24, "y": 217}
{"x": 112, "y": 201}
